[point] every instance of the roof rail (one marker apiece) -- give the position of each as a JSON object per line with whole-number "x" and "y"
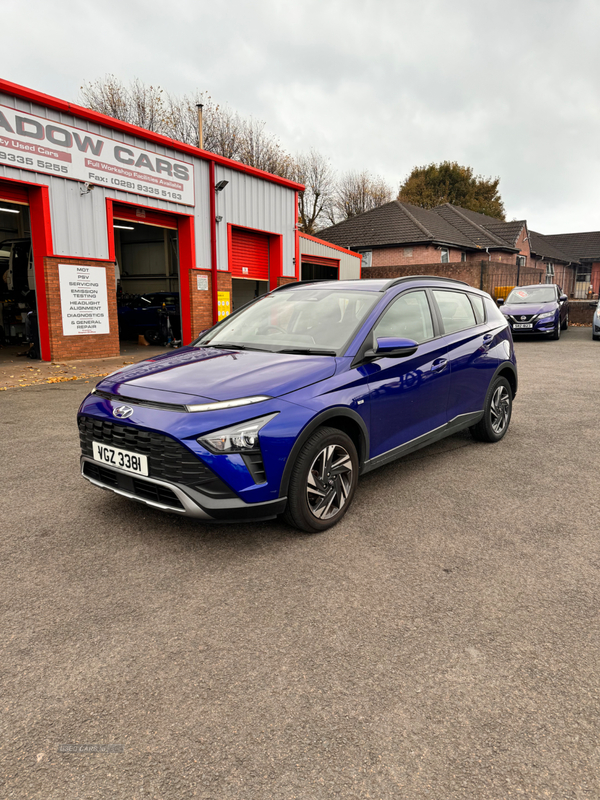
{"x": 297, "y": 283}
{"x": 396, "y": 281}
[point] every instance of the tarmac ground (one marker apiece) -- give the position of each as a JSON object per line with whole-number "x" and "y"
{"x": 443, "y": 641}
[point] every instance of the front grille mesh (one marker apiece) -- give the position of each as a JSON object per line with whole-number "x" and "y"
{"x": 168, "y": 460}
{"x": 135, "y": 486}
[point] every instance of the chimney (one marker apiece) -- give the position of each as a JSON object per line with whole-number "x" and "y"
{"x": 200, "y": 137}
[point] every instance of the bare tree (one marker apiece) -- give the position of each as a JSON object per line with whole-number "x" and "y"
{"x": 137, "y": 103}
{"x": 358, "y": 192}
{"x": 314, "y": 203}
{"x": 224, "y": 131}
{"x": 262, "y": 150}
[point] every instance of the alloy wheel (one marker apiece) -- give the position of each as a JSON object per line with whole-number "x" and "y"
{"x": 500, "y": 410}
{"x": 329, "y": 481}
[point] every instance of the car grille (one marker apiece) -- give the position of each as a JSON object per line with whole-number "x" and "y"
{"x": 522, "y": 317}
{"x": 132, "y": 485}
{"x": 168, "y": 459}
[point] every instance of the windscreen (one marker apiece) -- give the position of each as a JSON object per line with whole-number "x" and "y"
{"x": 532, "y": 294}
{"x": 308, "y": 319}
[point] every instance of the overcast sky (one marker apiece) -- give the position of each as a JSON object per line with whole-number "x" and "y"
{"x": 509, "y": 88}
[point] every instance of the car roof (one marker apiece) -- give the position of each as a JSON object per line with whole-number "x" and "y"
{"x": 372, "y": 284}
{"x": 536, "y": 286}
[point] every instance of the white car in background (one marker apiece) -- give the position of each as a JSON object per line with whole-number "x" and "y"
{"x": 596, "y": 323}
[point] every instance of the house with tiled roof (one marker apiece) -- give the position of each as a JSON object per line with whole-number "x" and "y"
{"x": 584, "y": 249}
{"x": 397, "y": 236}
{"x": 399, "y": 233}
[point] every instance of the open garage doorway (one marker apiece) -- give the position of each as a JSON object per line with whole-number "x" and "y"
{"x": 319, "y": 272}
{"x": 147, "y": 278}
{"x": 19, "y": 329}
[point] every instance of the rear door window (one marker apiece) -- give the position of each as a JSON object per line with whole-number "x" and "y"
{"x": 455, "y": 310}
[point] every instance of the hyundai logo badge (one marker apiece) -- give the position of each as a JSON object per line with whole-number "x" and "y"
{"x": 122, "y": 412}
{"x": 523, "y": 317}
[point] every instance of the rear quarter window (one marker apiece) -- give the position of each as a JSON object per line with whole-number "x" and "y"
{"x": 477, "y": 303}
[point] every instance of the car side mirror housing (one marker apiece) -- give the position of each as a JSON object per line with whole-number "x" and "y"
{"x": 392, "y": 347}
{"x": 500, "y": 301}
{"x": 563, "y": 297}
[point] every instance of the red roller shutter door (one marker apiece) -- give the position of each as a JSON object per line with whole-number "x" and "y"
{"x": 249, "y": 255}
{"x": 13, "y": 193}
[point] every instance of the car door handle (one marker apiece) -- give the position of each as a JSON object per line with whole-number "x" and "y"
{"x": 488, "y": 337}
{"x": 438, "y": 365}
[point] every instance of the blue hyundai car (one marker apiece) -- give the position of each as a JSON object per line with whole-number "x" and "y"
{"x": 279, "y": 408}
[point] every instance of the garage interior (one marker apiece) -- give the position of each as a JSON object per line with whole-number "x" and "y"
{"x": 318, "y": 272}
{"x": 148, "y": 296}
{"x": 19, "y": 335}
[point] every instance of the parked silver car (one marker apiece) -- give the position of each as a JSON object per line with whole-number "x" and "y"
{"x": 596, "y": 323}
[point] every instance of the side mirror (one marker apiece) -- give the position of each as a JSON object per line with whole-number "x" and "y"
{"x": 563, "y": 297}
{"x": 500, "y": 301}
{"x": 391, "y": 347}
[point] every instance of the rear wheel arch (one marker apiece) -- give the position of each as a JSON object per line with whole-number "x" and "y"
{"x": 511, "y": 376}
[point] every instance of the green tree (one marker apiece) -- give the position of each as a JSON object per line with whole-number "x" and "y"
{"x": 448, "y": 182}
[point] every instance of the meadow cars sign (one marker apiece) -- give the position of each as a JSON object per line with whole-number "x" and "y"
{"x": 42, "y": 145}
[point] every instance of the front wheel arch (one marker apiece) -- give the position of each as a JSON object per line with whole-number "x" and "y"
{"x": 344, "y": 419}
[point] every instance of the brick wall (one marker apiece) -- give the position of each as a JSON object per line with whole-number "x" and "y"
{"x": 581, "y": 311}
{"x": 201, "y": 299}
{"x": 400, "y": 256}
{"x": 458, "y": 270}
{"x": 64, "y": 348}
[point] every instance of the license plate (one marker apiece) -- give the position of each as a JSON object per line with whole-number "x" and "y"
{"x": 123, "y": 459}
{"x": 523, "y": 325}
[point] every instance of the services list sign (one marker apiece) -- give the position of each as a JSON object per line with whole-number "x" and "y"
{"x": 83, "y": 299}
{"x": 41, "y": 145}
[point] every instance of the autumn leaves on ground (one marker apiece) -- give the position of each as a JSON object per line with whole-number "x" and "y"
{"x": 14, "y": 374}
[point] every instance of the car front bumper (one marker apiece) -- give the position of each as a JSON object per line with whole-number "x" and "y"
{"x": 177, "y": 498}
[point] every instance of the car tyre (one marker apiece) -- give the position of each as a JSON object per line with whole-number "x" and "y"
{"x": 565, "y": 324}
{"x": 556, "y": 333}
{"x": 152, "y": 336}
{"x": 323, "y": 481}
{"x": 497, "y": 413}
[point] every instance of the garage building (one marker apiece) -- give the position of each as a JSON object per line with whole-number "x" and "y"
{"x": 103, "y": 224}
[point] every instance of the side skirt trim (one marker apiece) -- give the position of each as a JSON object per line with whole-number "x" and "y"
{"x": 457, "y": 424}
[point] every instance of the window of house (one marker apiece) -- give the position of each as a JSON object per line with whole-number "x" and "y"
{"x": 463, "y": 256}
{"x": 550, "y": 272}
{"x": 408, "y": 251}
{"x": 445, "y": 255}
{"x": 521, "y": 261}
{"x": 367, "y": 258}
{"x": 456, "y": 310}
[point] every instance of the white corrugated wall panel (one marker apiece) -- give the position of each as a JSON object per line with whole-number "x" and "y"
{"x": 251, "y": 202}
{"x": 79, "y": 226}
{"x": 349, "y": 265}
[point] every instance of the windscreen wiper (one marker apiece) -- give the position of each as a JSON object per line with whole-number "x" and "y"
{"x": 306, "y": 351}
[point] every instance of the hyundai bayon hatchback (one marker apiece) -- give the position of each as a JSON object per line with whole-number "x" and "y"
{"x": 541, "y": 308}
{"x": 279, "y": 408}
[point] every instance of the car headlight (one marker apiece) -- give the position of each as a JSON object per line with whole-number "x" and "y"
{"x": 242, "y": 438}
{"x": 547, "y": 315}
